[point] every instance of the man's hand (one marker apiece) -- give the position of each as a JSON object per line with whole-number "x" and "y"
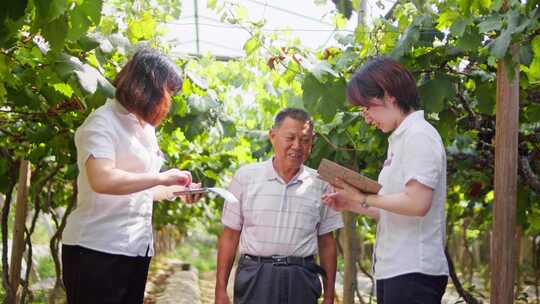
{"x": 222, "y": 297}
{"x": 328, "y": 300}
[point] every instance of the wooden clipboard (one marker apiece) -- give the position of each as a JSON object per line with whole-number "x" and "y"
{"x": 329, "y": 171}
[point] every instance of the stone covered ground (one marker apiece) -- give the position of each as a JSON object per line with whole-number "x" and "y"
{"x": 188, "y": 277}
{"x": 176, "y": 282}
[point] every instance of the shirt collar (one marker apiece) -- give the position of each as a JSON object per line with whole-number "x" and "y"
{"x": 123, "y": 112}
{"x": 406, "y": 123}
{"x": 271, "y": 173}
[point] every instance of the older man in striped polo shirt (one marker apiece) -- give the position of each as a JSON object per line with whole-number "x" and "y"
{"x": 279, "y": 224}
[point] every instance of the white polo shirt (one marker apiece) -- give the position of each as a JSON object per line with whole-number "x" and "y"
{"x": 116, "y": 224}
{"x": 275, "y": 217}
{"x": 407, "y": 244}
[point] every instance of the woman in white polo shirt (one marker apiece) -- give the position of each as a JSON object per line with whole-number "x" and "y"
{"x": 409, "y": 261}
{"x": 108, "y": 242}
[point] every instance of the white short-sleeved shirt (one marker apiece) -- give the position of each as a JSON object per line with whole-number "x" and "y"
{"x": 278, "y": 218}
{"x": 407, "y": 244}
{"x": 116, "y": 224}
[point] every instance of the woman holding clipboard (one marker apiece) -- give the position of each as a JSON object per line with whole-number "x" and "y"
{"x": 409, "y": 261}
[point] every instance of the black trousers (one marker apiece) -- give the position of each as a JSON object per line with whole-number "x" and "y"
{"x": 94, "y": 277}
{"x": 265, "y": 283}
{"x": 411, "y": 288}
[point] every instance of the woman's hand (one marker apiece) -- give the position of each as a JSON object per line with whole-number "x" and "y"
{"x": 192, "y": 198}
{"x": 345, "y": 197}
{"x": 174, "y": 177}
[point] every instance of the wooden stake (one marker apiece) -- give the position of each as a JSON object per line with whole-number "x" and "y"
{"x": 503, "y": 247}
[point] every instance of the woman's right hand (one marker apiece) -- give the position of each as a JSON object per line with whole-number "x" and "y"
{"x": 174, "y": 177}
{"x": 345, "y": 197}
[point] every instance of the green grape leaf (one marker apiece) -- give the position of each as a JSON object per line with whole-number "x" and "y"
{"x": 63, "y": 88}
{"x": 89, "y": 78}
{"x": 532, "y": 113}
{"x": 49, "y": 10}
{"x": 251, "y": 45}
{"x": 491, "y": 23}
{"x": 433, "y": 92}
{"x": 471, "y": 40}
{"x": 485, "y": 93}
{"x": 323, "y": 100}
{"x": 499, "y": 46}
{"x": 55, "y": 32}
{"x": 202, "y": 104}
{"x": 344, "y": 7}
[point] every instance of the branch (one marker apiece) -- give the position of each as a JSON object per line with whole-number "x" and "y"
{"x": 333, "y": 145}
{"x": 477, "y": 162}
{"x": 530, "y": 177}
{"x": 469, "y": 299}
{"x": 390, "y": 12}
{"x": 4, "y": 226}
{"x": 29, "y": 261}
{"x": 55, "y": 240}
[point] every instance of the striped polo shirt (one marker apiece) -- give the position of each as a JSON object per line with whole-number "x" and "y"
{"x": 275, "y": 217}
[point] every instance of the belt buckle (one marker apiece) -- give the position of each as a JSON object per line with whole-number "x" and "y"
{"x": 278, "y": 260}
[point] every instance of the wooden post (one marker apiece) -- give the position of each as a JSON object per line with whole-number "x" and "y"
{"x": 17, "y": 248}
{"x": 503, "y": 248}
{"x": 350, "y": 245}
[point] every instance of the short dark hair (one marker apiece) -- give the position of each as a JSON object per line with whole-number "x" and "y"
{"x": 294, "y": 113}
{"x": 380, "y": 76}
{"x": 145, "y": 84}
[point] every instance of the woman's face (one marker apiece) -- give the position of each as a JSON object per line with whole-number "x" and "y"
{"x": 383, "y": 113}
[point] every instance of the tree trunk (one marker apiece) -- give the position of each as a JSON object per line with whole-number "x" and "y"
{"x": 469, "y": 299}
{"x": 54, "y": 244}
{"x": 350, "y": 244}
{"x": 18, "y": 245}
{"x": 5, "y": 265}
{"x": 536, "y": 264}
{"x": 519, "y": 255}
{"x": 503, "y": 249}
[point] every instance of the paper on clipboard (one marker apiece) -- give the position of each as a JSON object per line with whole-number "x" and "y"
{"x": 225, "y": 194}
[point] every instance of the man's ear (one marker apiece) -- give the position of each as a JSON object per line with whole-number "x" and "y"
{"x": 314, "y": 137}
{"x": 271, "y": 135}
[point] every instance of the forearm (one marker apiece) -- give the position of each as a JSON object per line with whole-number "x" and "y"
{"x": 328, "y": 261}
{"x": 119, "y": 182}
{"x": 227, "y": 245}
{"x": 165, "y": 192}
{"x": 401, "y": 203}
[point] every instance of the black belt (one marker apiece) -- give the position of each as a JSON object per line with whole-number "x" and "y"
{"x": 283, "y": 260}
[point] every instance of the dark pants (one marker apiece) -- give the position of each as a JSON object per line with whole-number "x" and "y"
{"x": 411, "y": 288}
{"x": 94, "y": 277}
{"x": 265, "y": 283}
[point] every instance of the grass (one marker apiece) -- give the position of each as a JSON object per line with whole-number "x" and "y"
{"x": 200, "y": 253}
{"x": 45, "y": 267}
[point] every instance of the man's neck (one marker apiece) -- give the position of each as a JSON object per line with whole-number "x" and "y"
{"x": 284, "y": 172}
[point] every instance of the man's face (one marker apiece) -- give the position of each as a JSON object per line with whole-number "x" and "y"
{"x": 292, "y": 142}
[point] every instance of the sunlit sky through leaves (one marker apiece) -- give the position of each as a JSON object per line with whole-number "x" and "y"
{"x": 311, "y": 21}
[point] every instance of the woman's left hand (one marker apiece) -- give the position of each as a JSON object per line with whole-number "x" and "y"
{"x": 192, "y": 198}
{"x": 345, "y": 197}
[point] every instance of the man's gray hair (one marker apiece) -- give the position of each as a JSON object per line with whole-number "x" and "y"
{"x": 294, "y": 113}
